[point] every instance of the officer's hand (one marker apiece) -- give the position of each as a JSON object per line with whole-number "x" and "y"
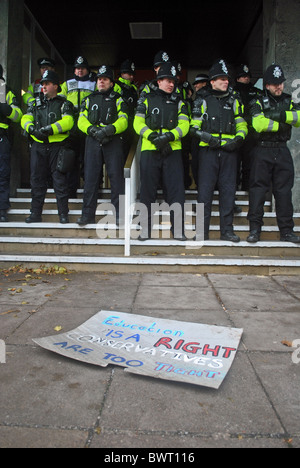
{"x": 110, "y": 130}
{"x": 254, "y": 109}
{"x": 152, "y": 136}
{"x": 5, "y": 109}
{"x": 214, "y": 142}
{"x": 38, "y": 135}
{"x": 47, "y": 131}
{"x": 163, "y": 140}
{"x": 233, "y": 145}
{"x": 92, "y": 131}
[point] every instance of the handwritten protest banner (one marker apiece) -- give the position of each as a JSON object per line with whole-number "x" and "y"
{"x": 165, "y": 349}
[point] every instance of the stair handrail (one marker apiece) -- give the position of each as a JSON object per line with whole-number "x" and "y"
{"x": 132, "y": 179}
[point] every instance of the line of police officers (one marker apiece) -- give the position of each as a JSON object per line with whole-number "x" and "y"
{"x": 95, "y": 117}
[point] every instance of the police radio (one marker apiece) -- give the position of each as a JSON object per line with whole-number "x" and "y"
{"x": 2, "y": 92}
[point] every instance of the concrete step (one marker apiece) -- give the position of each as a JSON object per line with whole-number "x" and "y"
{"x": 86, "y": 248}
{"x": 95, "y": 247}
{"x": 159, "y": 263}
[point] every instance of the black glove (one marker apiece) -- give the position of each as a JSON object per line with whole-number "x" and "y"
{"x": 47, "y": 131}
{"x": 162, "y": 140}
{"x": 36, "y": 133}
{"x": 233, "y": 145}
{"x": 213, "y": 142}
{"x": 110, "y": 130}
{"x": 152, "y": 136}
{"x": 278, "y": 116}
{"x": 5, "y": 109}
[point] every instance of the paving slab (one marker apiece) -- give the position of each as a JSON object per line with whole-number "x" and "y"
{"x": 50, "y": 401}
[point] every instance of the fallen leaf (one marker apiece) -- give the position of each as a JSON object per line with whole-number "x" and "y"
{"x": 287, "y": 343}
{"x": 58, "y": 328}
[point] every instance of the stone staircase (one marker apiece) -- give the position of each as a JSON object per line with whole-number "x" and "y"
{"x": 80, "y": 249}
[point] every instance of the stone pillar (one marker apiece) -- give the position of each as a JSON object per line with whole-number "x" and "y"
{"x": 281, "y": 45}
{"x": 11, "y": 39}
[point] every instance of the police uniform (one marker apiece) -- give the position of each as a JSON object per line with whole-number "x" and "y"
{"x": 35, "y": 89}
{"x": 103, "y": 118}
{"x": 49, "y": 124}
{"x": 128, "y": 91}
{"x": 162, "y": 121}
{"x": 247, "y": 92}
{"x": 75, "y": 90}
{"x": 273, "y": 119}
{"x": 217, "y": 121}
{"x": 9, "y": 112}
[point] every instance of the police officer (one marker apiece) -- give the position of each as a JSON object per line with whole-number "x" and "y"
{"x": 35, "y": 90}
{"x": 9, "y": 112}
{"x": 162, "y": 121}
{"x": 247, "y": 92}
{"x": 128, "y": 90}
{"x": 49, "y": 124}
{"x": 218, "y": 124}
{"x": 200, "y": 81}
{"x": 103, "y": 118}
{"x": 160, "y": 58}
{"x": 81, "y": 85}
{"x": 273, "y": 116}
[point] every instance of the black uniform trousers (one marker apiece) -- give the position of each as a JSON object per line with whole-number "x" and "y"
{"x": 43, "y": 163}
{"x": 4, "y": 171}
{"x": 272, "y": 167}
{"x": 217, "y": 167}
{"x": 77, "y": 142}
{"x": 112, "y": 155}
{"x": 166, "y": 170}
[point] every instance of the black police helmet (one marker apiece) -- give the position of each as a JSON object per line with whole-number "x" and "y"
{"x": 218, "y": 69}
{"x": 51, "y": 76}
{"x": 167, "y": 70}
{"x": 127, "y": 67}
{"x": 81, "y": 62}
{"x": 106, "y": 72}
{"x": 46, "y": 62}
{"x": 274, "y": 75}
{"x": 160, "y": 58}
{"x": 243, "y": 70}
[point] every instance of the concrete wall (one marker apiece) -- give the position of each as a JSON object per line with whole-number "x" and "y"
{"x": 282, "y": 45}
{"x": 11, "y": 35}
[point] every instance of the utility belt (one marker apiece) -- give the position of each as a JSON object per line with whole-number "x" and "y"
{"x": 272, "y": 144}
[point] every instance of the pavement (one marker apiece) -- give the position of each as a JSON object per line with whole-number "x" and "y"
{"x": 50, "y": 401}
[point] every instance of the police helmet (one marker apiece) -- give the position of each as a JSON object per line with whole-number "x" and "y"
{"x": 51, "y": 76}
{"x": 106, "y": 72}
{"x": 218, "y": 69}
{"x": 274, "y": 75}
{"x": 160, "y": 58}
{"x": 46, "y": 62}
{"x": 243, "y": 70}
{"x": 167, "y": 70}
{"x": 127, "y": 67}
{"x": 81, "y": 62}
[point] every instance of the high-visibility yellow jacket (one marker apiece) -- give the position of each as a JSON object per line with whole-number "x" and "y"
{"x": 75, "y": 90}
{"x": 221, "y": 115}
{"x": 161, "y": 112}
{"x": 57, "y": 112}
{"x": 102, "y": 109}
{"x": 16, "y": 113}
